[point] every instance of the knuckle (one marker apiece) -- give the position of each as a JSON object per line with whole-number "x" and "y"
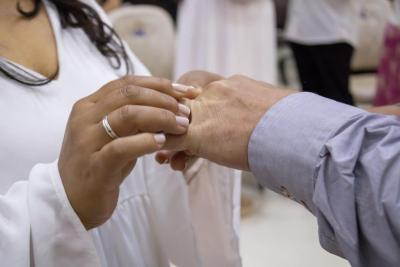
{"x": 128, "y": 79}
{"x": 167, "y": 116}
{"x": 77, "y": 105}
{"x": 123, "y": 91}
{"x": 106, "y": 87}
{"x": 169, "y": 102}
{"x": 132, "y": 91}
{"x": 124, "y": 112}
{"x": 163, "y": 82}
{"x": 128, "y": 113}
{"x": 74, "y": 126}
{"x": 163, "y": 120}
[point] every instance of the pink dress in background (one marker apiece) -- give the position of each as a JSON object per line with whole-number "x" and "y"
{"x": 389, "y": 69}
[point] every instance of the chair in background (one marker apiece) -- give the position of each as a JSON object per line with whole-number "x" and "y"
{"x": 149, "y": 32}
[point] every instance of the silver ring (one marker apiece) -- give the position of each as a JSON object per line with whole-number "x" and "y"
{"x": 108, "y": 129}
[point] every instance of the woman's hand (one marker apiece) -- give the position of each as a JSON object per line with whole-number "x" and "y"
{"x": 92, "y": 165}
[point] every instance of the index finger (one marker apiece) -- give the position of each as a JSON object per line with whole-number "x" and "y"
{"x": 161, "y": 85}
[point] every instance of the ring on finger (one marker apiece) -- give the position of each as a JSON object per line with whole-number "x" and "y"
{"x": 107, "y": 127}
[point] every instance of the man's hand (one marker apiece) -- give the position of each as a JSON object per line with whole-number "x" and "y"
{"x": 386, "y": 110}
{"x": 224, "y": 116}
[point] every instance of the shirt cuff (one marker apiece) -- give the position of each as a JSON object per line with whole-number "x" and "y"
{"x": 286, "y": 145}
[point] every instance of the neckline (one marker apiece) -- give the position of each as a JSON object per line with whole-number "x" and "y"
{"x": 55, "y": 27}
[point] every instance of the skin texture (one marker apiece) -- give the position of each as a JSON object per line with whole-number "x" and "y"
{"x": 224, "y": 115}
{"x": 92, "y": 166}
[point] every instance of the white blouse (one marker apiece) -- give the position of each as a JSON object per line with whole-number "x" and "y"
{"x": 160, "y": 220}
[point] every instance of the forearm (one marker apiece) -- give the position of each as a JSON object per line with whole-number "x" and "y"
{"x": 343, "y": 164}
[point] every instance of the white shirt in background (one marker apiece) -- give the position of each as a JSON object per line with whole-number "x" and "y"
{"x": 318, "y": 22}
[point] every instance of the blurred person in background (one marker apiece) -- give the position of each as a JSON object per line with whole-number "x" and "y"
{"x": 74, "y": 189}
{"x": 227, "y": 37}
{"x": 323, "y": 35}
{"x": 388, "y": 91}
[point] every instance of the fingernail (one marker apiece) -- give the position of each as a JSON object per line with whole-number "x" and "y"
{"x": 181, "y": 88}
{"x": 182, "y": 121}
{"x": 160, "y": 139}
{"x": 185, "y": 110}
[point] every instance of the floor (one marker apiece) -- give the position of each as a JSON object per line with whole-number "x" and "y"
{"x": 281, "y": 233}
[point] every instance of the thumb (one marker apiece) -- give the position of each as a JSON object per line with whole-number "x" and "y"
{"x": 193, "y": 92}
{"x": 118, "y": 154}
{"x": 123, "y": 150}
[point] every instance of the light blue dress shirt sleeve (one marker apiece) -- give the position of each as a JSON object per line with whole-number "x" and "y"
{"x": 343, "y": 164}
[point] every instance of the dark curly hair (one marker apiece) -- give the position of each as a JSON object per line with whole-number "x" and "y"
{"x": 76, "y": 14}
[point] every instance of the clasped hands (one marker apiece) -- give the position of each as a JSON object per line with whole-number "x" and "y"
{"x": 150, "y": 115}
{"x": 224, "y": 113}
